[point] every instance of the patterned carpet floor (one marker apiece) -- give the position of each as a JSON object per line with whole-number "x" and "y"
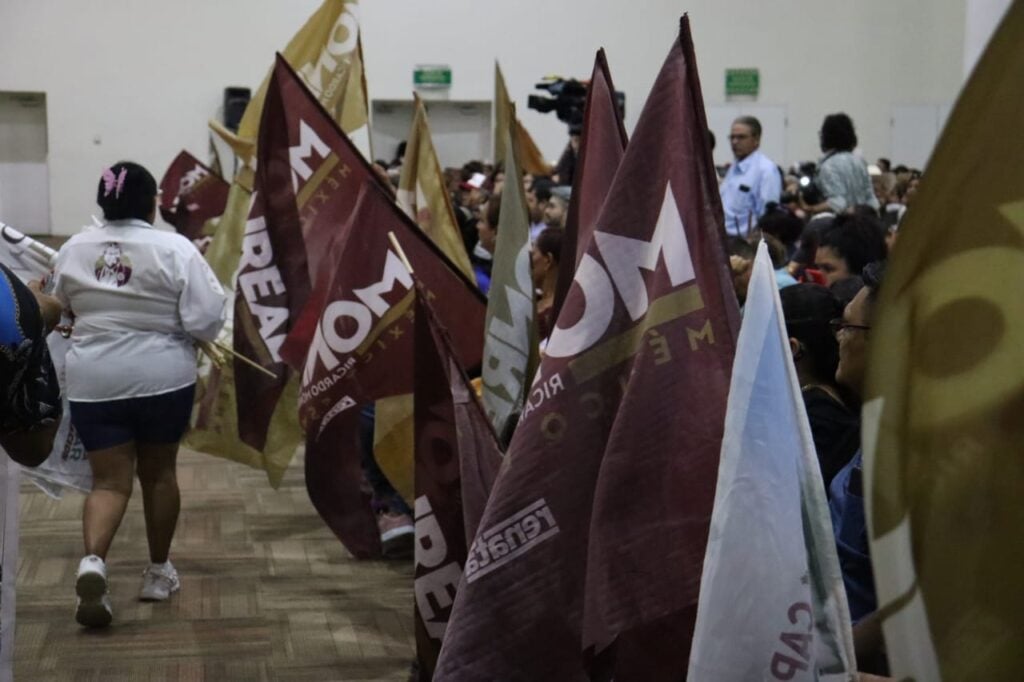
{"x": 267, "y": 592}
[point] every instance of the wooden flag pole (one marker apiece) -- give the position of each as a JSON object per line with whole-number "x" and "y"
{"x": 401, "y": 253}
{"x": 211, "y": 348}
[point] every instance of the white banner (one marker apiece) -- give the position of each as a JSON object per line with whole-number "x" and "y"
{"x": 772, "y": 604}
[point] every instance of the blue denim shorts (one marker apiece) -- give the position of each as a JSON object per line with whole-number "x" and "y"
{"x": 161, "y": 418}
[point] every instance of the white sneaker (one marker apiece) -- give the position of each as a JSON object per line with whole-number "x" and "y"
{"x": 93, "y": 609}
{"x": 159, "y": 582}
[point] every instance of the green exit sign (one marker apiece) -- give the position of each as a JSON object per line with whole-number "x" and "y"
{"x": 742, "y": 82}
{"x": 432, "y": 76}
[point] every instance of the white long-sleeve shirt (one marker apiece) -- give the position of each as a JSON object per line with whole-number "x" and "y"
{"x": 140, "y": 297}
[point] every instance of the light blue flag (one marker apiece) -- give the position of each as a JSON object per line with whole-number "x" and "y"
{"x": 772, "y": 604}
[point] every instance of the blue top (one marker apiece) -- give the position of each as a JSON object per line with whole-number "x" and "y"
{"x": 11, "y": 334}
{"x": 748, "y": 186}
{"x": 849, "y": 524}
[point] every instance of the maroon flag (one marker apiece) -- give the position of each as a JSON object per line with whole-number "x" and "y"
{"x": 601, "y": 148}
{"x": 309, "y": 175}
{"x": 262, "y": 317}
{"x": 191, "y": 194}
{"x": 480, "y": 454}
{"x": 307, "y": 179}
{"x": 615, "y": 458}
{"x": 440, "y": 534}
{"x": 655, "y": 491}
{"x": 362, "y": 349}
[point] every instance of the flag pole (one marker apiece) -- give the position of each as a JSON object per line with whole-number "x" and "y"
{"x": 214, "y": 350}
{"x": 401, "y": 253}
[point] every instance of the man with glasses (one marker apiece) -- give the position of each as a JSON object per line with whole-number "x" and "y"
{"x": 753, "y": 180}
{"x": 846, "y": 492}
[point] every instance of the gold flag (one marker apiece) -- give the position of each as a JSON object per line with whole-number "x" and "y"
{"x": 215, "y": 417}
{"x": 943, "y": 434}
{"x": 327, "y": 54}
{"x": 502, "y": 113}
{"x": 530, "y": 158}
{"x": 423, "y": 196}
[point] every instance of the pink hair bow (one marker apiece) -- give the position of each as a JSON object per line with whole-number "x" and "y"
{"x": 112, "y": 183}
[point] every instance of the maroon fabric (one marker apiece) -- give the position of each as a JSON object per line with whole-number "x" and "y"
{"x": 480, "y": 453}
{"x": 655, "y": 491}
{"x": 320, "y": 251}
{"x": 191, "y": 194}
{"x": 323, "y": 188}
{"x": 261, "y": 320}
{"x": 481, "y": 456}
{"x": 597, "y": 523}
{"x": 309, "y": 174}
{"x": 363, "y": 348}
{"x": 440, "y": 532}
{"x": 601, "y": 148}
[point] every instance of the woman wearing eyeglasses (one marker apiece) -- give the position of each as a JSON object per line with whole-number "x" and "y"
{"x": 140, "y": 298}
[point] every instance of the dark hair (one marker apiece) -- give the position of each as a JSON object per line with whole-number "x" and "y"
{"x": 493, "y": 211}
{"x": 776, "y": 250}
{"x": 810, "y": 238}
{"x": 470, "y": 168}
{"x": 738, "y": 246}
{"x": 845, "y": 290}
{"x": 135, "y": 197}
{"x": 807, "y": 309}
{"x": 549, "y": 241}
{"x": 541, "y": 188}
{"x": 837, "y": 134}
{"x": 781, "y": 224}
{"x": 857, "y": 239}
{"x": 873, "y": 274}
{"x": 750, "y": 122}
{"x": 493, "y": 175}
{"x": 711, "y": 139}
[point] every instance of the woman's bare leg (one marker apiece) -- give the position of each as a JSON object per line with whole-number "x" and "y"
{"x": 112, "y": 470}
{"x": 158, "y": 478}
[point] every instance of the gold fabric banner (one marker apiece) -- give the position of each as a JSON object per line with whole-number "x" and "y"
{"x": 943, "y": 434}
{"x": 215, "y": 418}
{"x": 327, "y": 54}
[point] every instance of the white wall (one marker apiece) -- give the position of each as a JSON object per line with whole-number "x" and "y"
{"x": 139, "y": 78}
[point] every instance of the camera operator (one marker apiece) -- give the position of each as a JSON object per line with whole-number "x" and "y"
{"x": 565, "y": 170}
{"x": 568, "y": 99}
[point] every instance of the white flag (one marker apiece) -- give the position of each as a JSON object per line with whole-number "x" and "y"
{"x": 772, "y": 604}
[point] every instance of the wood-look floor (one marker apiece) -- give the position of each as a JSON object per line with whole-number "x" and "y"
{"x": 267, "y": 592}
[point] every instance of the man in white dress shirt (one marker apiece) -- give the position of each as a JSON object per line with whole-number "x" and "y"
{"x": 753, "y": 180}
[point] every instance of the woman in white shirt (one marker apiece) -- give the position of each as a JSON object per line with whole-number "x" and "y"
{"x": 140, "y": 299}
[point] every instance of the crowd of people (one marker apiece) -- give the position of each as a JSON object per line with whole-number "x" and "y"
{"x": 829, "y": 227}
{"x": 141, "y": 298}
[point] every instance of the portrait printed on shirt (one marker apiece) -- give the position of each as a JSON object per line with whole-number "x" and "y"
{"x": 113, "y": 267}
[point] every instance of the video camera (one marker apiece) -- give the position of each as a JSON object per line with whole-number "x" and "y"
{"x": 568, "y": 99}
